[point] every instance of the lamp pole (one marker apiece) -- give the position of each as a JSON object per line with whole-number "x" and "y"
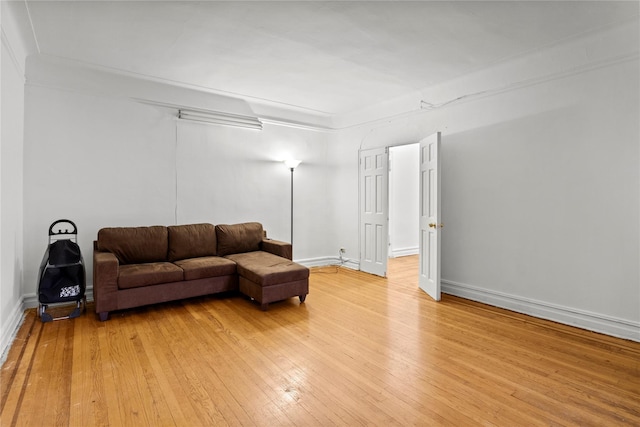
{"x": 292, "y": 169}
{"x": 292, "y": 164}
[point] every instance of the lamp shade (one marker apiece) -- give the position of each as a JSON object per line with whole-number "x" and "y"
{"x": 291, "y": 163}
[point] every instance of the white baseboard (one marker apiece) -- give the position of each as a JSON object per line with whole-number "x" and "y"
{"x": 10, "y": 330}
{"x": 29, "y": 301}
{"x": 569, "y": 316}
{"x": 395, "y": 253}
{"x": 326, "y": 261}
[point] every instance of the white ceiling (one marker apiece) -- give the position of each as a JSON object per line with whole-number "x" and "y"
{"x": 331, "y": 57}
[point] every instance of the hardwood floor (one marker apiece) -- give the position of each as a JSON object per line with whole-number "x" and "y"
{"x": 362, "y": 350}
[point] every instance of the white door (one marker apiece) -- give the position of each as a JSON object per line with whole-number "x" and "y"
{"x": 430, "y": 219}
{"x": 374, "y": 211}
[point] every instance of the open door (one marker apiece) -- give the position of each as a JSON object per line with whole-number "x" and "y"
{"x": 430, "y": 218}
{"x": 374, "y": 211}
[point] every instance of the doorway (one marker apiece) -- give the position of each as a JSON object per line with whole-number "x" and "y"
{"x": 404, "y": 198}
{"x": 404, "y": 195}
{"x": 374, "y": 212}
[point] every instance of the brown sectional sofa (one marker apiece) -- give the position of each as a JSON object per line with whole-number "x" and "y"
{"x": 135, "y": 266}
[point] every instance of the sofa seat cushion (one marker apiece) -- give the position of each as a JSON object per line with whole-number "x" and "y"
{"x": 266, "y": 269}
{"x": 152, "y": 273}
{"x": 203, "y": 267}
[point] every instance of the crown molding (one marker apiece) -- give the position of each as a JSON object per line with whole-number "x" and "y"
{"x": 615, "y": 45}
{"x": 609, "y": 47}
{"x": 12, "y": 54}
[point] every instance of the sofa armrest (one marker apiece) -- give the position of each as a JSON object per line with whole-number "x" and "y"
{"x": 277, "y": 247}
{"x": 105, "y": 281}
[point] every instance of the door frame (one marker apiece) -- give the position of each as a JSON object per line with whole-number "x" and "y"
{"x": 391, "y": 205}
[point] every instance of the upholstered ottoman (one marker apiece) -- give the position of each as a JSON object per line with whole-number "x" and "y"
{"x": 267, "y": 278}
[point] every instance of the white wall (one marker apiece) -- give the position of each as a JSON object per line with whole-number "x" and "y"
{"x": 545, "y": 207}
{"x": 540, "y": 194}
{"x": 11, "y": 176}
{"x": 229, "y": 175}
{"x": 404, "y": 190}
{"x": 104, "y": 160}
{"x": 94, "y": 160}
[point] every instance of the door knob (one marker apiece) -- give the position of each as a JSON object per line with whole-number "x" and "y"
{"x": 434, "y": 225}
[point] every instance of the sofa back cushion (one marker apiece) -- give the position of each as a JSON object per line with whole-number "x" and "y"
{"x": 134, "y": 245}
{"x": 238, "y": 238}
{"x": 191, "y": 241}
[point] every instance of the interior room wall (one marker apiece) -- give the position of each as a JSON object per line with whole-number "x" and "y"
{"x": 540, "y": 195}
{"x": 228, "y": 175}
{"x": 403, "y": 200}
{"x": 562, "y": 229}
{"x": 103, "y": 160}
{"x": 342, "y": 165}
{"x": 11, "y": 177}
{"x": 97, "y": 161}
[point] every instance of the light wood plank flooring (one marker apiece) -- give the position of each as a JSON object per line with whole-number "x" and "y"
{"x": 362, "y": 350}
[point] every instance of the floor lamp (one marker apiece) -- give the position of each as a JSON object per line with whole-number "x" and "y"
{"x": 292, "y": 165}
